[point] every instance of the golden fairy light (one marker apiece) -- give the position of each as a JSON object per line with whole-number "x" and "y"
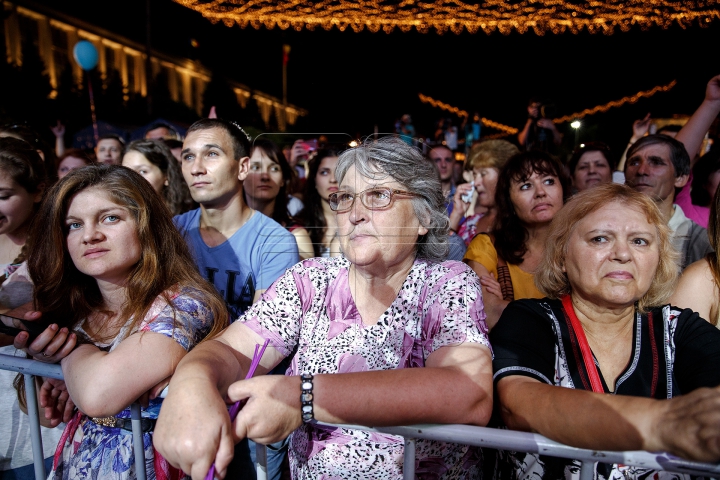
{"x": 504, "y": 16}
{"x": 616, "y": 103}
{"x": 464, "y": 114}
{"x": 573, "y": 116}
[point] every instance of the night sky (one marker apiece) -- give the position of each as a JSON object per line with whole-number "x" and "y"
{"x": 352, "y": 82}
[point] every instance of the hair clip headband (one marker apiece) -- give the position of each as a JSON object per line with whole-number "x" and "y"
{"x": 241, "y": 129}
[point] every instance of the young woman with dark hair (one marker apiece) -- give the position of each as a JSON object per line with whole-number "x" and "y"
{"x": 108, "y": 262}
{"x": 22, "y": 184}
{"x": 531, "y": 189}
{"x": 266, "y": 190}
{"x": 155, "y": 162}
{"x": 317, "y": 217}
{"x": 22, "y": 131}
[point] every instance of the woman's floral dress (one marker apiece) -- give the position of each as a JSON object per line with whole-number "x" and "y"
{"x": 91, "y": 451}
{"x": 310, "y": 311}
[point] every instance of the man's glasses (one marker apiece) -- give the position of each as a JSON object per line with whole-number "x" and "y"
{"x": 373, "y": 198}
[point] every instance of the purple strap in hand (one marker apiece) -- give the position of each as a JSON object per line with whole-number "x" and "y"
{"x": 237, "y": 406}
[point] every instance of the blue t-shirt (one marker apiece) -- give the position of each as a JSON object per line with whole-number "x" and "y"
{"x": 251, "y": 259}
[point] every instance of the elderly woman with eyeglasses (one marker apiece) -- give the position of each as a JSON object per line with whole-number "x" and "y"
{"x": 383, "y": 335}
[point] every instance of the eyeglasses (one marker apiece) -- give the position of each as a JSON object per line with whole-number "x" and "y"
{"x": 372, "y": 198}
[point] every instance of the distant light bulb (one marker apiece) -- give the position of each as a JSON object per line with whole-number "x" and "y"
{"x": 353, "y": 144}
{"x": 576, "y": 124}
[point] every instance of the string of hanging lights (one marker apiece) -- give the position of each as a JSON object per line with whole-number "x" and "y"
{"x": 574, "y": 116}
{"x": 616, "y": 103}
{"x": 463, "y": 114}
{"x": 456, "y": 16}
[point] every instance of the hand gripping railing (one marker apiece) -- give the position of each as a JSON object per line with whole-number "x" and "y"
{"x": 462, "y": 434}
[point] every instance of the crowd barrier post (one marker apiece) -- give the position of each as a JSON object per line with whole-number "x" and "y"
{"x": 261, "y": 461}
{"x": 34, "y": 418}
{"x": 409, "y": 459}
{"x": 138, "y": 444}
{"x": 587, "y": 471}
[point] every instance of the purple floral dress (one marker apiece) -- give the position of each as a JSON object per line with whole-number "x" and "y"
{"x": 310, "y": 309}
{"x": 91, "y": 451}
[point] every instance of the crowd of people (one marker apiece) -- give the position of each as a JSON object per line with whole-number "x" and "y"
{"x": 578, "y": 298}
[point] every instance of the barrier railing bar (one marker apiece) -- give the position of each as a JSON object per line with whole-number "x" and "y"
{"x": 461, "y": 434}
{"x": 138, "y": 444}
{"x": 534, "y": 443}
{"x": 28, "y": 366}
{"x": 34, "y": 418}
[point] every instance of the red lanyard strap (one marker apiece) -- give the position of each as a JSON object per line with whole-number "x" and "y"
{"x": 587, "y": 356}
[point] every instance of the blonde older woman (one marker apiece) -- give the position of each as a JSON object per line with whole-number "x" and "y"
{"x": 384, "y": 335}
{"x": 600, "y": 363}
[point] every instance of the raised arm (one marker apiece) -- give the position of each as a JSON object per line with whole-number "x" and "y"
{"x": 59, "y": 132}
{"x": 523, "y": 134}
{"x": 697, "y": 126}
{"x": 688, "y": 426}
{"x": 460, "y": 206}
{"x": 640, "y": 129}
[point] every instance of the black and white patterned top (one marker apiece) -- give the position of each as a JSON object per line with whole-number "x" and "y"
{"x": 674, "y": 352}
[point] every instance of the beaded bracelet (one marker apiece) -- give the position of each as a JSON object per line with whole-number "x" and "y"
{"x": 306, "y": 397}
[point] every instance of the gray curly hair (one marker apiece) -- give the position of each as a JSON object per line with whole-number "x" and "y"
{"x": 392, "y": 157}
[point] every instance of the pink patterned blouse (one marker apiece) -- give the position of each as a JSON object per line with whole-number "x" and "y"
{"x": 310, "y": 313}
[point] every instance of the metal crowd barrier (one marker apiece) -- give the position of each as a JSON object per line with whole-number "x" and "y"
{"x": 462, "y": 434}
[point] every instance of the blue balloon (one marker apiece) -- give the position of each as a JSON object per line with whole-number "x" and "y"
{"x": 86, "y": 55}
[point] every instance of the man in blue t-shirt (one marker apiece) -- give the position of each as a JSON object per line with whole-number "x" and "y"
{"x": 239, "y": 250}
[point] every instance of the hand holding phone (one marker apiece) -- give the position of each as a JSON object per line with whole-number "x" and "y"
{"x": 12, "y": 326}
{"x": 311, "y": 145}
{"x": 46, "y": 343}
{"x": 467, "y": 198}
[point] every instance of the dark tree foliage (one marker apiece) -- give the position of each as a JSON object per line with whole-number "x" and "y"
{"x": 219, "y": 93}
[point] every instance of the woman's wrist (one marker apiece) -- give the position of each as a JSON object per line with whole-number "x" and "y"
{"x": 650, "y": 423}
{"x": 455, "y": 217}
